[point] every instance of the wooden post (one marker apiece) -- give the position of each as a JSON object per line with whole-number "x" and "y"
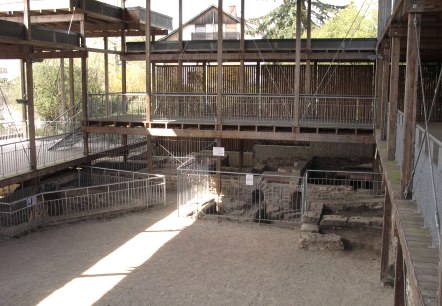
{"x": 148, "y": 86}
{"x": 84, "y": 80}
{"x": 242, "y": 77}
{"x": 308, "y": 68}
{"x": 378, "y": 90}
{"x": 71, "y": 87}
{"x": 411, "y": 82}
{"x": 106, "y": 74}
{"x": 386, "y": 238}
{"x": 298, "y": 65}
{"x": 241, "y": 50}
{"x": 384, "y": 93}
{"x": 62, "y": 90}
{"x": 399, "y": 288}
{"x": 24, "y": 116}
{"x": 219, "y": 91}
{"x": 30, "y": 89}
{"x": 219, "y": 71}
{"x": 180, "y": 62}
{"x": 394, "y": 92}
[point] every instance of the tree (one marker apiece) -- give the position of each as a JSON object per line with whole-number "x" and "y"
{"x": 281, "y": 22}
{"x": 47, "y": 94}
{"x": 349, "y": 24}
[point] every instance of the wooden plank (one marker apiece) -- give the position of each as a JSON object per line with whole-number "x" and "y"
{"x": 411, "y": 83}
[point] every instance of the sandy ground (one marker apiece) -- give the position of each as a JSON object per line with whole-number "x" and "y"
{"x": 123, "y": 261}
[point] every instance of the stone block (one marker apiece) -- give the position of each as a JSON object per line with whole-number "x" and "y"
{"x": 334, "y": 221}
{"x": 311, "y": 217}
{"x": 359, "y": 222}
{"x": 319, "y": 242}
{"x": 377, "y": 222}
{"x": 292, "y": 215}
{"x": 311, "y": 228}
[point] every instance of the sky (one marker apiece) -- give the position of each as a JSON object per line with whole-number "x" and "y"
{"x": 253, "y": 8}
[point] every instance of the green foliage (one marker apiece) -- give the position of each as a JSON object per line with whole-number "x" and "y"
{"x": 47, "y": 84}
{"x": 347, "y": 23}
{"x": 281, "y": 22}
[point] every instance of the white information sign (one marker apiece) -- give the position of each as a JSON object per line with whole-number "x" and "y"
{"x": 218, "y": 151}
{"x": 249, "y": 179}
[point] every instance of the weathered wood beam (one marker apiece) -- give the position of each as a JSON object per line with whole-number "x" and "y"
{"x": 410, "y": 100}
{"x": 219, "y": 61}
{"x": 58, "y": 54}
{"x": 384, "y": 90}
{"x": 422, "y": 6}
{"x": 38, "y": 19}
{"x": 297, "y": 84}
{"x": 399, "y": 287}
{"x": 30, "y": 89}
{"x": 257, "y": 135}
{"x": 254, "y": 57}
{"x": 394, "y": 96}
{"x": 148, "y": 36}
{"x": 387, "y": 243}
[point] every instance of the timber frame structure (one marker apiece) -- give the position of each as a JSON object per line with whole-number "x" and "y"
{"x": 298, "y": 91}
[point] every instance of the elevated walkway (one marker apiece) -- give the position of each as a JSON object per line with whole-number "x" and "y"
{"x": 416, "y": 258}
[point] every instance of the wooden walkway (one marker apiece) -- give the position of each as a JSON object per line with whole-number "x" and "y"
{"x": 424, "y": 258}
{"x": 421, "y": 259}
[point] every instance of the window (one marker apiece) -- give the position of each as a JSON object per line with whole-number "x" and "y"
{"x": 200, "y": 28}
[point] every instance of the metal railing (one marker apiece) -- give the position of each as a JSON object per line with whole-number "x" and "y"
{"x": 214, "y": 35}
{"x": 240, "y": 196}
{"x": 117, "y": 105}
{"x": 106, "y": 191}
{"x": 14, "y": 158}
{"x": 314, "y": 110}
{"x": 11, "y": 130}
{"x": 188, "y": 106}
{"x": 341, "y": 110}
{"x": 338, "y": 185}
{"x": 428, "y": 165}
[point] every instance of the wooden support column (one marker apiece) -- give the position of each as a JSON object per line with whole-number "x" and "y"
{"x": 148, "y": 86}
{"x": 386, "y": 238}
{"x": 63, "y": 89}
{"x": 384, "y": 92}
{"x": 84, "y": 81}
{"x": 298, "y": 65}
{"x": 399, "y": 288}
{"x": 242, "y": 77}
{"x": 411, "y": 82}
{"x": 106, "y": 74}
{"x": 378, "y": 90}
{"x": 180, "y": 62}
{"x": 394, "y": 94}
{"x": 24, "y": 115}
{"x": 71, "y": 87}
{"x": 241, "y": 50}
{"x": 219, "y": 91}
{"x": 308, "y": 68}
{"x": 30, "y": 89}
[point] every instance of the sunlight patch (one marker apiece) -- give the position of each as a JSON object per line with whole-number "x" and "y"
{"x": 95, "y": 282}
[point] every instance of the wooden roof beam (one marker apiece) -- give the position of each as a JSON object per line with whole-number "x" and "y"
{"x": 423, "y": 6}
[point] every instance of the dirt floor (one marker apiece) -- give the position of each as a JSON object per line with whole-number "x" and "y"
{"x": 153, "y": 258}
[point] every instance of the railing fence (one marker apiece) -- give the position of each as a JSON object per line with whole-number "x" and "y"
{"x": 99, "y": 191}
